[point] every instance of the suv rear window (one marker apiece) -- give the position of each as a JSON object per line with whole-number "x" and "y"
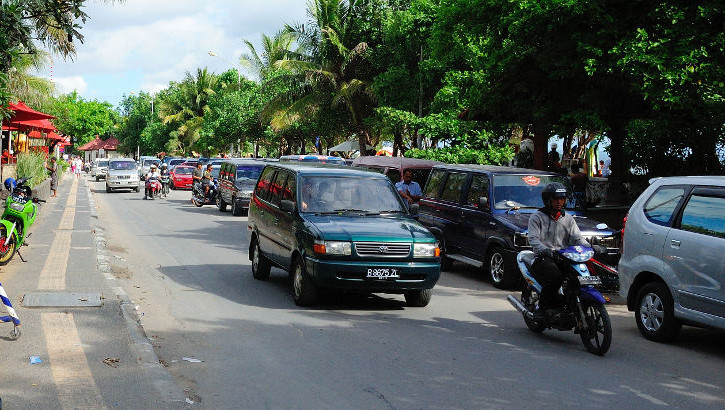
{"x": 434, "y": 183}
{"x": 661, "y": 206}
{"x": 454, "y": 186}
{"x": 705, "y": 215}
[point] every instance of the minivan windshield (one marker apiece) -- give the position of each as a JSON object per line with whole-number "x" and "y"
{"x": 338, "y": 194}
{"x": 123, "y": 165}
{"x": 524, "y": 191}
{"x": 248, "y": 173}
{"x": 103, "y": 163}
{"x": 148, "y": 162}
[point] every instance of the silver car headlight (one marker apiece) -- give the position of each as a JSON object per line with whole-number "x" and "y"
{"x": 333, "y": 248}
{"x": 425, "y": 250}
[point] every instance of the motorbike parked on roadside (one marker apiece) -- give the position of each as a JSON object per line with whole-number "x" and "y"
{"x": 153, "y": 187}
{"x": 581, "y": 304}
{"x": 197, "y": 194}
{"x": 18, "y": 216}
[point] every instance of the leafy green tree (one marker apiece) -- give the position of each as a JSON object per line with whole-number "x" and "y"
{"x": 275, "y": 49}
{"x": 82, "y": 119}
{"x": 186, "y": 105}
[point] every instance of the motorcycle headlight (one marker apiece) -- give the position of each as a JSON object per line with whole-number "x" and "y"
{"x": 17, "y": 207}
{"x": 333, "y": 248}
{"x": 578, "y": 257}
{"x": 426, "y": 250}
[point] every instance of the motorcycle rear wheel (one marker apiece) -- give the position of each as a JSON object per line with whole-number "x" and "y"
{"x": 526, "y": 300}
{"x": 6, "y": 254}
{"x": 599, "y": 336}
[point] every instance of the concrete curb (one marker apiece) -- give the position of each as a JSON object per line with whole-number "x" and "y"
{"x": 140, "y": 343}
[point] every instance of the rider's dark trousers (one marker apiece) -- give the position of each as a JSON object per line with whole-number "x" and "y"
{"x": 549, "y": 276}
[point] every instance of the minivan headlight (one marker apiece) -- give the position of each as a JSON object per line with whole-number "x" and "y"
{"x": 333, "y": 248}
{"x": 426, "y": 250}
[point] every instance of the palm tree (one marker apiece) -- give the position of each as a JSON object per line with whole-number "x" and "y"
{"x": 334, "y": 75}
{"x": 22, "y": 86}
{"x": 187, "y": 106}
{"x": 274, "y": 49}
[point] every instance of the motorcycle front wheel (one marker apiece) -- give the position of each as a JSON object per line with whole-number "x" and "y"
{"x": 598, "y": 335}
{"x": 6, "y": 252}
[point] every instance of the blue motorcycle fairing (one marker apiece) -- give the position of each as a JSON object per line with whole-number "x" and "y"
{"x": 591, "y": 294}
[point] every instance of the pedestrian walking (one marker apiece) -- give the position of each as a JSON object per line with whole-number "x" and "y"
{"x": 77, "y": 169}
{"x": 53, "y": 168}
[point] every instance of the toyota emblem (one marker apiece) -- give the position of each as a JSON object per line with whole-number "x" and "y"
{"x": 383, "y": 249}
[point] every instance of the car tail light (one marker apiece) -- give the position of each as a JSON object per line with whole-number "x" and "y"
{"x": 621, "y": 233}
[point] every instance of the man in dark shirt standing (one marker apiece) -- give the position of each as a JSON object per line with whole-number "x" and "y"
{"x": 197, "y": 176}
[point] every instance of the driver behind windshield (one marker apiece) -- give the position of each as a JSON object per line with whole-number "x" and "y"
{"x": 551, "y": 229}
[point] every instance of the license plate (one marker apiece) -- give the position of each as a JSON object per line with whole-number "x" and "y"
{"x": 383, "y": 273}
{"x": 589, "y": 280}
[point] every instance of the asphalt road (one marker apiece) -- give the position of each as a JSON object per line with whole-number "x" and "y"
{"x": 188, "y": 271}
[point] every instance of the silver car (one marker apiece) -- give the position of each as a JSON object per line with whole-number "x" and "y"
{"x": 671, "y": 271}
{"x": 100, "y": 166}
{"x": 122, "y": 174}
{"x": 145, "y": 166}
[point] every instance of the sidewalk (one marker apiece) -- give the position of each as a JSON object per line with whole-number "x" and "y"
{"x": 63, "y": 257}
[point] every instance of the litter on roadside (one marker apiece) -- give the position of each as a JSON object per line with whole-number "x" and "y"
{"x": 191, "y": 360}
{"x": 188, "y": 400}
{"x": 112, "y": 361}
{"x": 35, "y": 360}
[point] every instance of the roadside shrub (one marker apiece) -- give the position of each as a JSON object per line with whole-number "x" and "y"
{"x": 460, "y": 155}
{"x": 32, "y": 165}
{"x": 63, "y": 166}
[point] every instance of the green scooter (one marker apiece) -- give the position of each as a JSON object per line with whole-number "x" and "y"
{"x": 18, "y": 217}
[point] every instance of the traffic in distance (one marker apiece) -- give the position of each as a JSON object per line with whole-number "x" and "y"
{"x": 392, "y": 224}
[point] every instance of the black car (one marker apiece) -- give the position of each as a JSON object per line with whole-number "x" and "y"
{"x": 480, "y": 215}
{"x": 236, "y": 183}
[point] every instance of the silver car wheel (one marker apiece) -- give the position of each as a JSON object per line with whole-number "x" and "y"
{"x": 255, "y": 258}
{"x": 651, "y": 312}
{"x": 497, "y": 267}
{"x": 298, "y": 279}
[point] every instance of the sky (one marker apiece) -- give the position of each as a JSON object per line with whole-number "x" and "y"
{"x": 142, "y": 45}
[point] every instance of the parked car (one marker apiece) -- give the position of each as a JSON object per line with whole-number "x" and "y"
{"x": 122, "y": 174}
{"x": 237, "y": 179}
{"x": 671, "y": 271}
{"x": 339, "y": 228}
{"x": 322, "y": 159}
{"x": 174, "y": 162}
{"x": 181, "y": 177}
{"x": 480, "y": 215}
{"x": 99, "y": 168}
{"x": 394, "y": 167}
{"x": 145, "y": 165}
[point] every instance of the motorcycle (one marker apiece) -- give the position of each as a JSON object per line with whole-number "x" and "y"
{"x": 198, "y": 198}
{"x": 165, "y": 180}
{"x": 18, "y": 216}
{"x": 153, "y": 187}
{"x": 581, "y": 304}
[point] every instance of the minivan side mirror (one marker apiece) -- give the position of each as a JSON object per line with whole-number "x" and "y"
{"x": 287, "y": 206}
{"x": 414, "y": 209}
{"x": 483, "y": 203}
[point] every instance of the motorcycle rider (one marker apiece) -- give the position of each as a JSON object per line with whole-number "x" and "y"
{"x": 153, "y": 173}
{"x": 196, "y": 177}
{"x": 165, "y": 175}
{"x": 207, "y": 180}
{"x": 552, "y": 229}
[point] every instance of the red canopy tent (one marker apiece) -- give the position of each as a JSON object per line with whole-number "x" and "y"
{"x": 41, "y": 125}
{"x": 24, "y": 113}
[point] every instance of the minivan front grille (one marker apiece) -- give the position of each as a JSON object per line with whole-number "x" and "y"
{"x": 382, "y": 249}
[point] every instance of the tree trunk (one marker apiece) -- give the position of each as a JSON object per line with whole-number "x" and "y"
{"x": 704, "y": 158}
{"x": 616, "y": 193}
{"x": 397, "y": 142}
{"x": 362, "y": 140}
{"x": 541, "y": 139}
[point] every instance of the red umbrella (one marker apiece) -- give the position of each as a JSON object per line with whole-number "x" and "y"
{"x": 43, "y": 125}
{"x": 24, "y": 113}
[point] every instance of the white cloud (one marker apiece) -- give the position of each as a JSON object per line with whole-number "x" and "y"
{"x": 143, "y": 45}
{"x": 69, "y": 84}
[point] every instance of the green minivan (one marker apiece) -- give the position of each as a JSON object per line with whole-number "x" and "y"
{"x": 339, "y": 228}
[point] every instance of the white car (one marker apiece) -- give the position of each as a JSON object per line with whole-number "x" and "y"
{"x": 99, "y": 168}
{"x": 122, "y": 174}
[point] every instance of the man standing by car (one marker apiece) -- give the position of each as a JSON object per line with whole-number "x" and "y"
{"x": 552, "y": 229}
{"x": 409, "y": 189}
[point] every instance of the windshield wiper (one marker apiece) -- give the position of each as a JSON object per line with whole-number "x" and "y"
{"x": 392, "y": 211}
